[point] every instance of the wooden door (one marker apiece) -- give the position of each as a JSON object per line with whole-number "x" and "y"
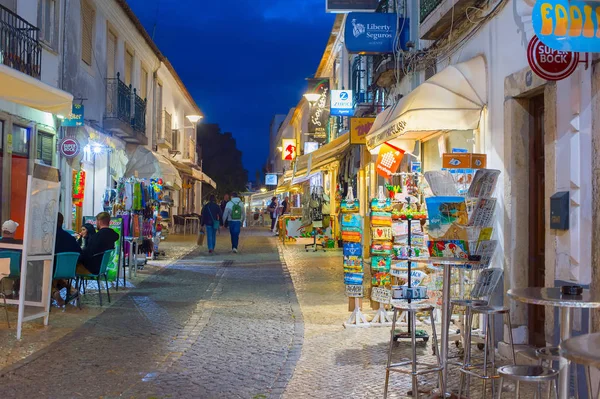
{"x": 537, "y": 213}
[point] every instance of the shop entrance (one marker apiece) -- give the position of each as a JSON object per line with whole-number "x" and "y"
{"x": 537, "y": 212}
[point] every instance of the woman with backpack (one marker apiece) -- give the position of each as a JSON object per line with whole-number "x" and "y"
{"x": 211, "y": 218}
{"x": 234, "y": 216}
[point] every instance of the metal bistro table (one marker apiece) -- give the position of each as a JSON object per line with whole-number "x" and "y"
{"x": 194, "y": 220}
{"x": 584, "y": 350}
{"x": 448, "y": 264}
{"x": 554, "y": 297}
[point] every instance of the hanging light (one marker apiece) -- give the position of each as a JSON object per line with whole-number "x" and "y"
{"x": 312, "y": 97}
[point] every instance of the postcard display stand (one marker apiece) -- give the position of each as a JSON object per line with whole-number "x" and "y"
{"x": 352, "y": 236}
{"x": 41, "y": 210}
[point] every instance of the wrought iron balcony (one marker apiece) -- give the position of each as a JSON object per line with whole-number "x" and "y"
{"x": 437, "y": 17}
{"x": 20, "y": 48}
{"x": 427, "y": 7}
{"x": 125, "y": 113}
{"x": 139, "y": 116}
{"x": 118, "y": 101}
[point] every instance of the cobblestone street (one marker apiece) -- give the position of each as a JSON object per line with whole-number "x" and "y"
{"x": 224, "y": 326}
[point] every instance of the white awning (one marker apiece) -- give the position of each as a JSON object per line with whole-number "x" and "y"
{"x": 203, "y": 177}
{"x": 23, "y": 89}
{"x": 146, "y": 164}
{"x": 332, "y": 151}
{"x": 450, "y": 100}
{"x": 259, "y": 198}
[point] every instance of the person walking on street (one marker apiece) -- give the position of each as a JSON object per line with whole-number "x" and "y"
{"x": 234, "y": 216}
{"x": 272, "y": 209}
{"x": 224, "y": 203}
{"x": 211, "y": 217}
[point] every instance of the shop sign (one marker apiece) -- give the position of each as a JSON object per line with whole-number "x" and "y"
{"x": 375, "y": 32}
{"x": 351, "y": 5}
{"x": 567, "y": 25}
{"x": 359, "y": 128}
{"x": 318, "y": 118}
{"x": 69, "y": 147}
{"x": 271, "y": 179}
{"x": 288, "y": 152}
{"x": 389, "y": 160}
{"x": 354, "y": 291}
{"x": 548, "y": 63}
{"x": 342, "y": 103}
{"x": 75, "y": 118}
{"x": 464, "y": 161}
{"x": 310, "y": 146}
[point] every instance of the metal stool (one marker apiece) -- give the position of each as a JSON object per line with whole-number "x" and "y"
{"x": 534, "y": 374}
{"x": 489, "y": 346}
{"x": 550, "y": 354}
{"x": 414, "y": 371}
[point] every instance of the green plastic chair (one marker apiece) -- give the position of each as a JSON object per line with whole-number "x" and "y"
{"x": 65, "y": 265}
{"x": 104, "y": 258}
{"x": 15, "y": 262}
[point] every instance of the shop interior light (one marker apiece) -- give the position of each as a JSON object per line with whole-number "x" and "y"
{"x": 97, "y": 149}
{"x": 312, "y": 97}
{"x": 194, "y": 118}
{"x": 61, "y": 117}
{"x": 263, "y": 190}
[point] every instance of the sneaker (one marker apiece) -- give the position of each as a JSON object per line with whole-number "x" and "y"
{"x": 235, "y": 251}
{"x": 210, "y": 251}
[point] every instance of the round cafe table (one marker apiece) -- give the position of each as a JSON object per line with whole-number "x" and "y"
{"x": 584, "y": 350}
{"x": 554, "y": 297}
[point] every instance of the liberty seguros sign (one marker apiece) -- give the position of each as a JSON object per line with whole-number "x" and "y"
{"x": 374, "y": 32}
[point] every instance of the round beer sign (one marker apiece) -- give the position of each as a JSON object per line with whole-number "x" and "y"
{"x": 69, "y": 147}
{"x": 548, "y": 63}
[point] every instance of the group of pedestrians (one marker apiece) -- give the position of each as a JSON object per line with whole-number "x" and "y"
{"x": 276, "y": 209}
{"x": 229, "y": 214}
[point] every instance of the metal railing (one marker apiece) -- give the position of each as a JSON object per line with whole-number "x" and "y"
{"x": 427, "y": 7}
{"x": 20, "y": 48}
{"x": 124, "y": 104}
{"x": 139, "y": 116}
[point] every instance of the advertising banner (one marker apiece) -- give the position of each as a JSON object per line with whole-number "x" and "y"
{"x": 288, "y": 149}
{"x": 388, "y": 161}
{"x": 271, "y": 179}
{"x": 116, "y": 223}
{"x": 342, "y": 103}
{"x": 359, "y": 128}
{"x": 310, "y": 146}
{"x": 351, "y": 5}
{"x": 318, "y": 121}
{"x": 75, "y": 118}
{"x": 375, "y": 32}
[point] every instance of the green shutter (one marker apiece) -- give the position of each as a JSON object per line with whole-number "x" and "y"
{"x": 45, "y": 148}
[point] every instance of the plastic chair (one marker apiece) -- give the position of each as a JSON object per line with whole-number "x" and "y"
{"x": 104, "y": 259}
{"x": 65, "y": 265}
{"x": 4, "y": 272}
{"x": 15, "y": 262}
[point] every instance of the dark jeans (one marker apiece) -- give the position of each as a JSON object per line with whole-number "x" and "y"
{"x": 272, "y": 221}
{"x": 235, "y": 227}
{"x": 211, "y": 236}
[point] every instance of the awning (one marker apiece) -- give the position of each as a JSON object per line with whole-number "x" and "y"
{"x": 146, "y": 164}
{"x": 330, "y": 152}
{"x": 259, "y": 198}
{"x": 20, "y": 88}
{"x": 450, "y": 100}
{"x": 203, "y": 177}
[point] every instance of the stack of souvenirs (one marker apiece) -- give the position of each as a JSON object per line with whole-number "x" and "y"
{"x": 352, "y": 238}
{"x": 381, "y": 247}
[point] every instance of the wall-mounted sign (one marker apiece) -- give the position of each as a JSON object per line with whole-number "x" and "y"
{"x": 359, "y": 128}
{"x": 342, "y": 103}
{"x": 69, "y": 147}
{"x": 318, "y": 116}
{"x": 389, "y": 160}
{"x": 75, "y": 118}
{"x": 374, "y": 32}
{"x": 567, "y": 25}
{"x": 548, "y": 63}
{"x": 310, "y": 146}
{"x": 351, "y": 5}
{"x": 288, "y": 152}
{"x": 271, "y": 179}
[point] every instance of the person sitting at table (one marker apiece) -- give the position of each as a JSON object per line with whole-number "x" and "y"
{"x": 65, "y": 242}
{"x": 102, "y": 241}
{"x": 9, "y": 228}
{"x": 87, "y": 231}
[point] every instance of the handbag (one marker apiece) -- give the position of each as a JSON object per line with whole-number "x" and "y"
{"x": 216, "y": 223}
{"x": 201, "y": 235}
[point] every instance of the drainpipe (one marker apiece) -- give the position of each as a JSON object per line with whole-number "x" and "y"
{"x": 154, "y": 84}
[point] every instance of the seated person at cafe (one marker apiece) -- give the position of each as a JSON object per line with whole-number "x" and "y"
{"x": 100, "y": 242}
{"x": 9, "y": 228}
{"x": 65, "y": 242}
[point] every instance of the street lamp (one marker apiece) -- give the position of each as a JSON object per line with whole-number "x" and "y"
{"x": 312, "y": 97}
{"x": 194, "y": 118}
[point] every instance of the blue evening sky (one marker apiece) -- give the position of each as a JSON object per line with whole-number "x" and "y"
{"x": 242, "y": 60}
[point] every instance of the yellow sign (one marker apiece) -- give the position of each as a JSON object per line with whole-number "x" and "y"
{"x": 359, "y": 128}
{"x": 288, "y": 149}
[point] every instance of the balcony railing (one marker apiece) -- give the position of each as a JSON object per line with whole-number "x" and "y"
{"x": 20, "y": 48}
{"x": 124, "y": 104}
{"x": 427, "y": 7}
{"x": 139, "y": 116}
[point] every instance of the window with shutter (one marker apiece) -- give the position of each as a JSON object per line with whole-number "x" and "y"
{"x": 128, "y": 67}
{"x": 144, "y": 84}
{"x": 45, "y": 148}
{"x": 111, "y": 55}
{"x": 48, "y": 12}
{"x": 175, "y": 141}
{"x": 10, "y": 4}
{"x": 87, "y": 32}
